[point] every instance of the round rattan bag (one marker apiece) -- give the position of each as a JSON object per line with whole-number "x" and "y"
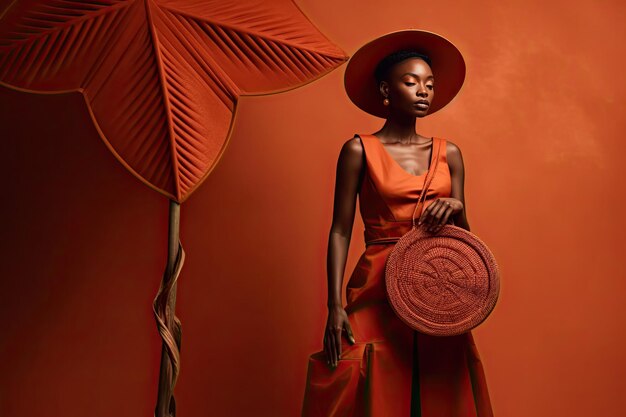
{"x": 443, "y": 283}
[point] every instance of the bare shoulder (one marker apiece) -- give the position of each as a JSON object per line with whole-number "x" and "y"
{"x": 453, "y": 153}
{"x": 452, "y": 149}
{"x": 353, "y": 148}
{"x": 351, "y": 157}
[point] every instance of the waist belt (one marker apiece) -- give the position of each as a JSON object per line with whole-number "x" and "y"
{"x": 388, "y": 232}
{"x": 382, "y": 240}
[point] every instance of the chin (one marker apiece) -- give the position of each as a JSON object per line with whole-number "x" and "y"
{"x": 415, "y": 112}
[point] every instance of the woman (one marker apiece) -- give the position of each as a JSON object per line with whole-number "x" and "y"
{"x": 372, "y": 363}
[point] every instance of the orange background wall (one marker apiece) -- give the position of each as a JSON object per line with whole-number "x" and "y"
{"x": 541, "y": 125}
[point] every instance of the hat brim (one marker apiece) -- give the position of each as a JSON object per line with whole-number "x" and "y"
{"x": 448, "y": 67}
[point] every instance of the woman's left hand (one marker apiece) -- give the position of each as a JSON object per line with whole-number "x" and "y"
{"x": 437, "y": 214}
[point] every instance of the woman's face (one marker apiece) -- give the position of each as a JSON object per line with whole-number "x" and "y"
{"x": 409, "y": 87}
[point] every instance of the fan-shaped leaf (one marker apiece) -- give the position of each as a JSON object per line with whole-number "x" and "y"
{"x": 161, "y": 78}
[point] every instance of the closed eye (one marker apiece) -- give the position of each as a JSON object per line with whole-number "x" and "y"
{"x": 407, "y": 83}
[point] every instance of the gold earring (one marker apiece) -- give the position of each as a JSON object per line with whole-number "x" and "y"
{"x": 386, "y": 101}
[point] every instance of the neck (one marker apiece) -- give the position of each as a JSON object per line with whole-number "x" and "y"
{"x": 400, "y": 128}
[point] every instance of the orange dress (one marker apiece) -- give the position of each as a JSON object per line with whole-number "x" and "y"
{"x": 393, "y": 370}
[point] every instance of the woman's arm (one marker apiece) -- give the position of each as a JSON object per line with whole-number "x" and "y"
{"x": 457, "y": 174}
{"x": 348, "y": 179}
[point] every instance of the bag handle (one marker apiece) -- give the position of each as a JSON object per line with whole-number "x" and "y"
{"x": 428, "y": 179}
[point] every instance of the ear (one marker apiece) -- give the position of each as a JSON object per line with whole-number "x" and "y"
{"x": 384, "y": 88}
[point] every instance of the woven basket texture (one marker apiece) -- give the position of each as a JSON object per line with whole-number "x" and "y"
{"x": 442, "y": 284}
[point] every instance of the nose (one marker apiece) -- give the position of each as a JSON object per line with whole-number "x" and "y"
{"x": 421, "y": 90}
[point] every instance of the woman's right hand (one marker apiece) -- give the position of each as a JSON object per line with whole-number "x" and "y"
{"x": 336, "y": 323}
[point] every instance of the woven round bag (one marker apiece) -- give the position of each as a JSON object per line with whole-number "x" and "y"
{"x": 444, "y": 283}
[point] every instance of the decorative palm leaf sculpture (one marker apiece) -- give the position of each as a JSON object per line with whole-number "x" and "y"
{"x": 161, "y": 79}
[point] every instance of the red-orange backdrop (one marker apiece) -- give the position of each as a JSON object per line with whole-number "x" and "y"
{"x": 540, "y": 123}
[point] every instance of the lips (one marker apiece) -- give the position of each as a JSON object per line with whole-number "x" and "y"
{"x": 422, "y": 104}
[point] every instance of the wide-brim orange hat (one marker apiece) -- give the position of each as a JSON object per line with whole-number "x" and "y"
{"x": 447, "y": 64}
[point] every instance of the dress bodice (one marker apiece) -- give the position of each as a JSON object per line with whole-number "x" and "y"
{"x": 388, "y": 193}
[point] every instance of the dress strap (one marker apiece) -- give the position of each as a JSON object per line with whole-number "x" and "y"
{"x": 432, "y": 169}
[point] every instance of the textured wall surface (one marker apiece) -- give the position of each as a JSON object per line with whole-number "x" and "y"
{"x": 540, "y": 124}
